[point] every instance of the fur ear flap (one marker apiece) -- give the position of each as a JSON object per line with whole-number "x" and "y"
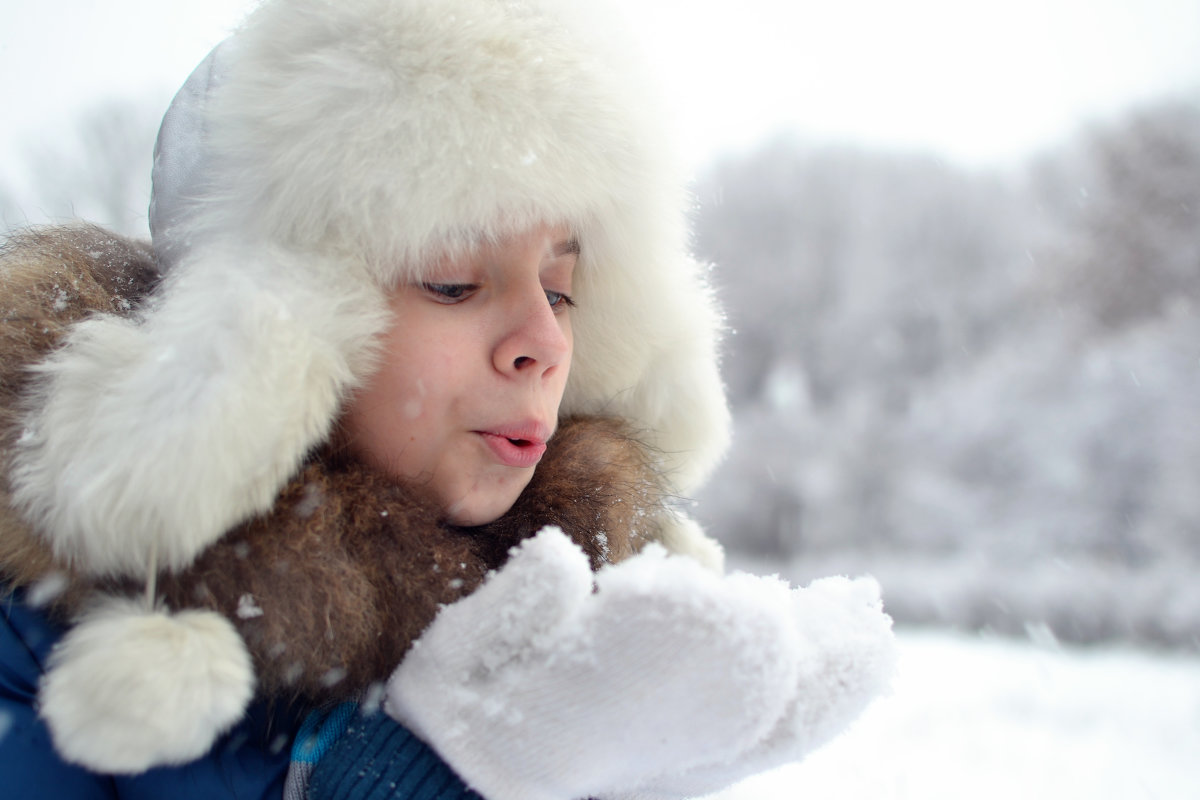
{"x": 157, "y": 435}
{"x": 129, "y": 688}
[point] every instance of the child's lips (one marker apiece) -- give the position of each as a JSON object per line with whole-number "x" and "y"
{"x": 514, "y": 451}
{"x": 517, "y": 444}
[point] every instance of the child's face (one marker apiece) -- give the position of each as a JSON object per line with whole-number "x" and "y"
{"x": 473, "y": 372}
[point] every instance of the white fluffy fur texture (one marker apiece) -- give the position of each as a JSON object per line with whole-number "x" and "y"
{"x": 151, "y": 440}
{"x": 128, "y": 689}
{"x": 349, "y": 141}
{"x": 683, "y": 536}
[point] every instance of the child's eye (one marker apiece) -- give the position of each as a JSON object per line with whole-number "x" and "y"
{"x": 449, "y": 292}
{"x": 559, "y": 301}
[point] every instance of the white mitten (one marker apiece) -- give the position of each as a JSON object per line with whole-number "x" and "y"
{"x": 846, "y": 659}
{"x": 536, "y": 687}
{"x": 667, "y": 681}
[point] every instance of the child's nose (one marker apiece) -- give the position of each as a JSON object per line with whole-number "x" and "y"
{"x": 536, "y": 341}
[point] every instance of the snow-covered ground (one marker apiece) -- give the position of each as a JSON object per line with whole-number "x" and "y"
{"x": 991, "y": 718}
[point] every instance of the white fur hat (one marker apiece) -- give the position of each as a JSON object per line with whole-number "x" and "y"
{"x": 326, "y": 151}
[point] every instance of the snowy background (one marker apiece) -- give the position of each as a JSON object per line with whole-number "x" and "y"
{"x": 959, "y": 243}
{"x": 991, "y": 719}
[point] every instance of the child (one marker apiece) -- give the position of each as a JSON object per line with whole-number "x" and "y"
{"x": 417, "y": 311}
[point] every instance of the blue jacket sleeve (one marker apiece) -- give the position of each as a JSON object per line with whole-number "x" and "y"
{"x": 248, "y": 763}
{"x": 378, "y": 758}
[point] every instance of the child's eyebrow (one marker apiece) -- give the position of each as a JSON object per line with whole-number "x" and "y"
{"x": 567, "y": 247}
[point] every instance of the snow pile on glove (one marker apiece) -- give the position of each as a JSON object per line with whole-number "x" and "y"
{"x": 654, "y": 678}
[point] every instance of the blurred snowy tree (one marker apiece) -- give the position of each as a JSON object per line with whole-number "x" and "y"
{"x": 852, "y": 278}
{"x": 1133, "y": 251}
{"x": 981, "y": 389}
{"x": 870, "y": 270}
{"x": 8, "y": 209}
{"x": 98, "y": 171}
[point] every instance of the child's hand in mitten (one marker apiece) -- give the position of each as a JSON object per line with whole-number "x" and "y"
{"x": 846, "y": 659}
{"x": 537, "y": 687}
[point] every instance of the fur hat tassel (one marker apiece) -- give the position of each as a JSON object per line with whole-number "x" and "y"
{"x": 130, "y": 688}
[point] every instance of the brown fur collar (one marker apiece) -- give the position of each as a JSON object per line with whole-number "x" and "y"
{"x": 330, "y": 588}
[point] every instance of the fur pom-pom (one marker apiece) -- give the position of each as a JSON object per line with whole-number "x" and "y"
{"x": 128, "y": 689}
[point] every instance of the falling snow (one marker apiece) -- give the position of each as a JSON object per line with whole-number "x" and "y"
{"x": 247, "y": 608}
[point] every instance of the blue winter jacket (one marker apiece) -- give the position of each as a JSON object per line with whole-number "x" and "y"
{"x": 249, "y": 763}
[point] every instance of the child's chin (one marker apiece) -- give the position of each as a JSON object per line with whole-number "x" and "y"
{"x": 481, "y": 506}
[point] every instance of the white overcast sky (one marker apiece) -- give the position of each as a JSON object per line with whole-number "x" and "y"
{"x": 976, "y": 81}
